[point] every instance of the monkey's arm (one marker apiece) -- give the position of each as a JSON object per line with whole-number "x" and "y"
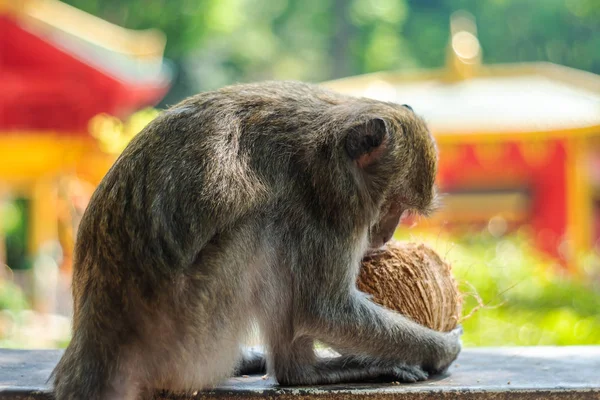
{"x": 375, "y": 342}
{"x": 377, "y": 345}
{"x": 356, "y": 326}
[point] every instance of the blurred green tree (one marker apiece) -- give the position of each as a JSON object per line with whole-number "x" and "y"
{"x": 560, "y": 31}
{"x": 217, "y": 42}
{"x": 214, "y": 42}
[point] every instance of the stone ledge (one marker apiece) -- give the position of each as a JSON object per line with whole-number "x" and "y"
{"x": 483, "y": 373}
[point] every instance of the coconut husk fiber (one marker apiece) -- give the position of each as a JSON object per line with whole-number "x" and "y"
{"x": 412, "y": 279}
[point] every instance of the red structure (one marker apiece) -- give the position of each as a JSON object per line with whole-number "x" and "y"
{"x": 53, "y": 80}
{"x": 503, "y": 180}
{"x": 60, "y": 67}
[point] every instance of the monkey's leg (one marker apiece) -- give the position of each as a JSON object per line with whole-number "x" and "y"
{"x": 299, "y": 365}
{"x": 252, "y": 362}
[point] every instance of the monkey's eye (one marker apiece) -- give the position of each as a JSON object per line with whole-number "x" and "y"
{"x": 407, "y": 106}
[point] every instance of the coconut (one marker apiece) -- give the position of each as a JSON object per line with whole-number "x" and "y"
{"x": 413, "y": 280}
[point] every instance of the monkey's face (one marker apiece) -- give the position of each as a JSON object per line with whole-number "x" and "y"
{"x": 383, "y": 231}
{"x": 411, "y": 187}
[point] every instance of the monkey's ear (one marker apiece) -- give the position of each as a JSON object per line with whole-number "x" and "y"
{"x": 365, "y": 142}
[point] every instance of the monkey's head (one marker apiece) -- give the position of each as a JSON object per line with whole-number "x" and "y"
{"x": 397, "y": 156}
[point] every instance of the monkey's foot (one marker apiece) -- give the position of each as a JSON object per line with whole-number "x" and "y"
{"x": 455, "y": 344}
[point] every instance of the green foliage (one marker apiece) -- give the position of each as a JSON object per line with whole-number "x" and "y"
{"x": 528, "y": 300}
{"x": 14, "y": 218}
{"x": 12, "y": 303}
{"x": 218, "y": 42}
{"x": 11, "y": 297}
{"x": 559, "y": 31}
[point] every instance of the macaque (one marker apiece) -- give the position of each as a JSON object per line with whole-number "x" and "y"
{"x": 252, "y": 204}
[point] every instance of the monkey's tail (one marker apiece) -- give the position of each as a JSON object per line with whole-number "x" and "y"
{"x": 85, "y": 371}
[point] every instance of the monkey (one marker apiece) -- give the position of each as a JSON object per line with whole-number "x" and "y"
{"x": 250, "y": 205}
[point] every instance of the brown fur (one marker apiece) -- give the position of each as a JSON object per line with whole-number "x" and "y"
{"x": 250, "y": 203}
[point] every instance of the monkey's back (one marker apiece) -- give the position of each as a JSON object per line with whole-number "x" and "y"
{"x": 213, "y": 156}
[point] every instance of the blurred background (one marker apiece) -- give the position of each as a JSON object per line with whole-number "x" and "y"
{"x": 510, "y": 89}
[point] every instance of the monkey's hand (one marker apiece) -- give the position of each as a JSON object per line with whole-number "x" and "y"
{"x": 378, "y": 369}
{"x": 446, "y": 353}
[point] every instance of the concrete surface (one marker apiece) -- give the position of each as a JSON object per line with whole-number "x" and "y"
{"x": 483, "y": 373}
